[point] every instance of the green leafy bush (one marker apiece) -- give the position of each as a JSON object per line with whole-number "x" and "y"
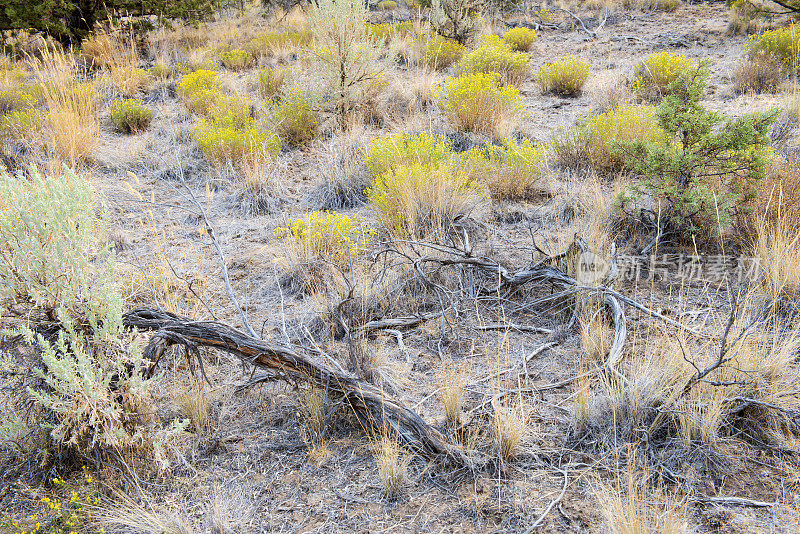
{"x": 709, "y": 168}
{"x": 654, "y": 77}
{"x": 296, "y": 119}
{"x": 130, "y": 115}
{"x": 270, "y": 81}
{"x": 495, "y": 55}
{"x": 479, "y": 102}
{"x": 520, "y": 39}
{"x": 441, "y": 52}
{"x": 235, "y": 59}
{"x": 388, "y": 153}
{"x": 565, "y": 76}
{"x": 200, "y": 90}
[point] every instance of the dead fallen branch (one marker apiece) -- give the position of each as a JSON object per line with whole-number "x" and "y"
{"x": 375, "y": 411}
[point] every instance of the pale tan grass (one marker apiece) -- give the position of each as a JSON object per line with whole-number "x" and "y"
{"x": 195, "y": 404}
{"x": 451, "y": 381}
{"x": 509, "y": 428}
{"x": 392, "y": 463}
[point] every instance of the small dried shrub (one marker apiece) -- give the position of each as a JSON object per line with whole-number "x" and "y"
{"x": 235, "y": 59}
{"x": 511, "y": 171}
{"x": 418, "y": 200}
{"x": 564, "y": 76}
{"x": 130, "y": 116}
{"x": 388, "y": 153}
{"x": 101, "y": 50}
{"x": 440, "y": 52}
{"x": 387, "y": 5}
{"x": 760, "y": 73}
{"x": 296, "y": 118}
{"x": 654, "y": 76}
{"x": 494, "y": 55}
{"x": 270, "y": 82}
{"x": 392, "y": 466}
{"x": 520, "y": 38}
{"x": 127, "y": 80}
{"x": 480, "y": 103}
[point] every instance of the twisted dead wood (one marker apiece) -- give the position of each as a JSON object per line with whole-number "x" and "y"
{"x": 375, "y": 411}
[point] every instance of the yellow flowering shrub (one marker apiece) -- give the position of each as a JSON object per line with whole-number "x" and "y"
{"x": 510, "y": 171}
{"x": 565, "y": 76}
{"x": 235, "y": 59}
{"x": 387, "y": 5}
{"x": 495, "y": 55}
{"x": 479, "y": 102}
{"x": 782, "y": 44}
{"x": 520, "y": 39}
{"x": 267, "y": 44}
{"x": 20, "y": 124}
{"x": 388, "y": 153}
{"x": 658, "y": 71}
{"x": 381, "y": 32}
{"x": 296, "y": 119}
{"x": 630, "y": 123}
{"x": 328, "y": 236}
{"x": 15, "y": 99}
{"x": 225, "y": 145}
{"x": 418, "y": 200}
{"x": 130, "y": 115}
{"x": 441, "y": 52}
{"x": 200, "y": 90}
{"x": 270, "y": 81}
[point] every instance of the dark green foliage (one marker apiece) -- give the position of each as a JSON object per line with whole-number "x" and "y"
{"x": 710, "y": 166}
{"x": 69, "y": 21}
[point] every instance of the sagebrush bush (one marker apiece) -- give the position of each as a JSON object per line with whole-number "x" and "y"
{"x": 420, "y": 200}
{"x": 441, "y": 52}
{"x": 565, "y": 76}
{"x": 480, "y": 103}
{"x": 200, "y": 90}
{"x": 511, "y": 171}
{"x": 346, "y": 56}
{"x": 653, "y": 78}
{"x": 520, "y": 39}
{"x": 296, "y": 118}
{"x": 326, "y": 236}
{"x": 629, "y": 123}
{"x": 130, "y": 115}
{"x": 494, "y": 55}
{"x": 235, "y": 59}
{"x": 388, "y": 153}
{"x": 270, "y": 82}
{"x": 783, "y": 45}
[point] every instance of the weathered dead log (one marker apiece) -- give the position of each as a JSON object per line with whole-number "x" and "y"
{"x": 375, "y": 411}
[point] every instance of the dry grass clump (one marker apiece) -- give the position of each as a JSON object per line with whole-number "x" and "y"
{"x": 509, "y": 428}
{"x": 417, "y": 200}
{"x": 480, "y": 103}
{"x": 596, "y": 335}
{"x": 195, "y": 404}
{"x": 343, "y": 176}
{"x": 270, "y": 82}
{"x": 392, "y": 466}
{"x": 128, "y": 516}
{"x": 451, "y": 382}
{"x": 512, "y": 171}
{"x": 296, "y": 118}
{"x": 127, "y": 80}
{"x": 761, "y": 73}
{"x": 495, "y": 56}
{"x": 565, "y": 76}
{"x": 520, "y": 39}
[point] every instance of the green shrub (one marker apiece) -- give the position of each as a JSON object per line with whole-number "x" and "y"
{"x": 565, "y": 76}
{"x": 388, "y": 153}
{"x": 494, "y": 55}
{"x": 200, "y": 90}
{"x": 510, "y": 171}
{"x": 629, "y": 123}
{"x": 235, "y": 59}
{"x": 782, "y": 44}
{"x": 419, "y": 200}
{"x": 296, "y": 119}
{"x": 130, "y": 115}
{"x": 270, "y": 81}
{"x": 479, "y": 102}
{"x": 654, "y": 77}
{"x": 441, "y": 52}
{"x": 387, "y": 5}
{"x": 520, "y": 39}
{"x": 702, "y": 178}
